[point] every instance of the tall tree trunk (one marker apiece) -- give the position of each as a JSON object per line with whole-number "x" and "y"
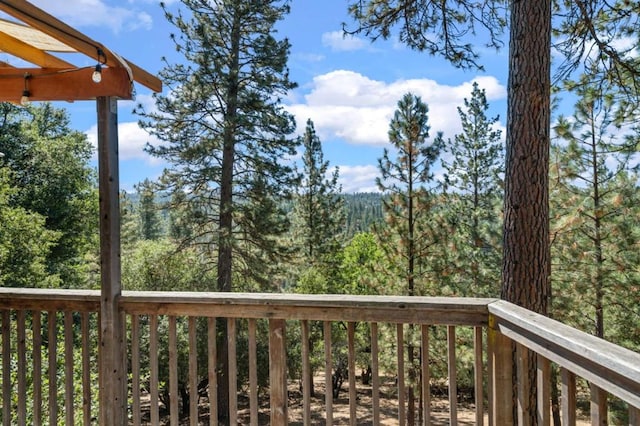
{"x": 526, "y": 261}
{"x": 225, "y": 239}
{"x": 411, "y": 400}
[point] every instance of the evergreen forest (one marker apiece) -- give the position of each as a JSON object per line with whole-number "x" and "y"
{"x": 232, "y": 213}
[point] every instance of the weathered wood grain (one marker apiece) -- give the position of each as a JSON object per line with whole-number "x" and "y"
{"x": 610, "y": 367}
{"x": 478, "y": 371}
{"x": 278, "y": 372}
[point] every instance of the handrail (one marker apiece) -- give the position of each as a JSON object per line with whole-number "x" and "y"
{"x": 326, "y": 307}
{"x": 610, "y": 367}
{"x": 41, "y": 299}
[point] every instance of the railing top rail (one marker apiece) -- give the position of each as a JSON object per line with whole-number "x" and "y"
{"x": 295, "y": 299}
{"x": 329, "y": 307}
{"x": 609, "y": 366}
{"x": 50, "y": 299}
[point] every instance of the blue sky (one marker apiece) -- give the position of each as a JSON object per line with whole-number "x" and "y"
{"x": 347, "y": 86}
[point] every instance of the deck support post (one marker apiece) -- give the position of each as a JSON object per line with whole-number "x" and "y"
{"x": 111, "y": 371}
{"x": 278, "y": 372}
{"x": 501, "y": 391}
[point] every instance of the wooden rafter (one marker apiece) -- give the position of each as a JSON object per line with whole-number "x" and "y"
{"x": 22, "y": 50}
{"x": 49, "y": 26}
{"x": 34, "y": 37}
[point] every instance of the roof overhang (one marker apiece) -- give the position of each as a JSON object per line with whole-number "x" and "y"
{"x": 38, "y": 39}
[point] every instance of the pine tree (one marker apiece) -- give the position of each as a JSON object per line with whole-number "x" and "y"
{"x": 318, "y": 209}
{"x": 594, "y": 245}
{"x": 403, "y": 181}
{"x": 595, "y": 250}
{"x": 473, "y": 190}
{"x": 406, "y": 235}
{"x": 224, "y": 129}
{"x": 150, "y": 223}
{"x": 225, "y": 134}
{"x": 129, "y": 219}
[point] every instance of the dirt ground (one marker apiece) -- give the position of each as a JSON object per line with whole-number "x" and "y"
{"x": 388, "y": 407}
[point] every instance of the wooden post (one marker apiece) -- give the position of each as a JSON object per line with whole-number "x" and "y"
{"x": 112, "y": 383}
{"x": 544, "y": 391}
{"x": 568, "y": 407}
{"x": 523, "y": 366}
{"x": 501, "y": 377}
{"x": 477, "y": 375}
{"x": 634, "y": 416}
{"x": 598, "y": 405}
{"x": 278, "y": 372}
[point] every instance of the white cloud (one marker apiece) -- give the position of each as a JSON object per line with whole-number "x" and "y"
{"x": 628, "y": 46}
{"x": 338, "y": 41}
{"x": 131, "y": 142}
{"x": 358, "y": 178}
{"x": 96, "y": 13}
{"x": 352, "y": 107}
{"x": 309, "y": 57}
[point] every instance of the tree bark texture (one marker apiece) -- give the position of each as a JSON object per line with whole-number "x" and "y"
{"x": 526, "y": 262}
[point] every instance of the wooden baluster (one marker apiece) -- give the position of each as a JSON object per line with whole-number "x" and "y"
{"x": 193, "y": 373}
{"x": 174, "y": 396}
{"x": 124, "y": 363}
{"x": 153, "y": 366}
{"x": 400, "y": 361}
{"x": 53, "y": 369}
{"x": 375, "y": 375}
{"x": 87, "y": 350}
{"x": 500, "y": 352}
{"x": 22, "y": 368}
{"x": 426, "y": 377}
{"x": 253, "y": 373}
{"x": 68, "y": 367}
{"x": 634, "y": 416}
{"x": 328, "y": 369}
{"x": 598, "y": 405}
{"x": 306, "y": 374}
{"x": 453, "y": 376}
{"x": 37, "y": 367}
{"x": 278, "y": 372}
{"x": 233, "y": 371}
{"x": 568, "y": 392}
{"x": 477, "y": 374}
{"x": 135, "y": 369}
{"x": 544, "y": 391}
{"x": 353, "y": 413}
{"x": 523, "y": 385}
{"x": 6, "y": 368}
{"x": 212, "y": 370}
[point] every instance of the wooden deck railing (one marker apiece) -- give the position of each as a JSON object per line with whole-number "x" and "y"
{"x": 50, "y": 357}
